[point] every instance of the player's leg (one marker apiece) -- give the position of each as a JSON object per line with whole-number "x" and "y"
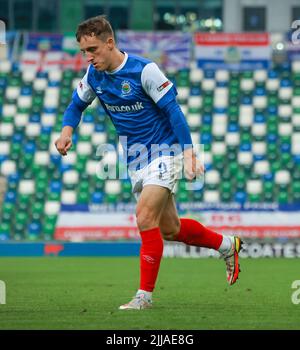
{"x": 169, "y": 223}
{"x": 150, "y": 205}
{"x": 188, "y": 231}
{"x": 192, "y": 232}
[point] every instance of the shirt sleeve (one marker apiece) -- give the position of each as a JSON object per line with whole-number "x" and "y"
{"x": 178, "y": 123}
{"x": 157, "y": 85}
{"x": 82, "y": 96}
{"x": 84, "y": 90}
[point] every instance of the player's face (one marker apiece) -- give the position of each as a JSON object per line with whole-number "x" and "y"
{"x": 97, "y": 52}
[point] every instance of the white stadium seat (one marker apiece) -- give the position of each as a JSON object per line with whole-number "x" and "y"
{"x": 99, "y": 138}
{"x": 259, "y": 129}
{"x": 12, "y": 92}
{"x": 51, "y": 98}
{"x": 196, "y": 75}
{"x": 245, "y": 158}
{"x": 296, "y": 143}
{"x": 296, "y": 101}
{"x": 260, "y": 101}
{"x": 9, "y": 110}
{"x": 4, "y": 147}
{"x": 260, "y": 75}
{"x": 51, "y": 102}
{"x": 285, "y": 129}
{"x": 5, "y": 66}
{"x": 52, "y": 208}
{"x": 285, "y": 93}
{"x": 296, "y": 66}
{"x": 195, "y": 101}
{"x": 86, "y": 129}
{"x": 68, "y": 197}
{"x": 221, "y": 97}
{"x": 28, "y": 75}
{"x": 48, "y": 119}
{"x": 6, "y": 129}
{"x": 25, "y": 101}
{"x": 222, "y": 75}
{"x": 259, "y": 148}
{"x": 247, "y": 84}
{"x": 211, "y": 197}
{"x": 254, "y": 186}
{"x": 41, "y": 157}
{"x": 8, "y": 167}
{"x": 219, "y": 129}
{"x": 112, "y": 186}
{"x": 232, "y": 138}
{"x": 218, "y": 148}
{"x": 282, "y": 177}
{"x": 295, "y": 148}
{"x": 91, "y": 167}
{"x": 33, "y": 129}
{"x": 246, "y": 115}
{"x": 21, "y": 119}
{"x": 55, "y": 75}
{"x": 296, "y": 119}
{"x": 212, "y": 177}
{"x": 272, "y": 84}
{"x": 40, "y": 84}
{"x": 84, "y": 148}
{"x": 26, "y": 187}
{"x": 261, "y": 167}
{"x": 194, "y": 120}
{"x": 70, "y": 177}
{"x": 208, "y": 84}
{"x": 284, "y": 111}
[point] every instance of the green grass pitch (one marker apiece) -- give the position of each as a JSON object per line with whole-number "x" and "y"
{"x": 84, "y": 293}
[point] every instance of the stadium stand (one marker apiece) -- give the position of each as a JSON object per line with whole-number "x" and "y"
{"x": 248, "y": 122}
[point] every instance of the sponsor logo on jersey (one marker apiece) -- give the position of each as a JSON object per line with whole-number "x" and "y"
{"x": 130, "y": 108}
{"x": 80, "y": 85}
{"x": 126, "y": 88}
{"x": 163, "y": 86}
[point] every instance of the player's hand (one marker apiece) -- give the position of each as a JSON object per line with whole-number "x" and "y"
{"x": 63, "y": 144}
{"x": 192, "y": 165}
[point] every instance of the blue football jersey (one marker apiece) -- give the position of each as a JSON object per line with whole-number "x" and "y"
{"x": 133, "y": 96}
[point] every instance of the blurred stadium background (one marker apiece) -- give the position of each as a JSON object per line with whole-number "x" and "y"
{"x": 236, "y": 65}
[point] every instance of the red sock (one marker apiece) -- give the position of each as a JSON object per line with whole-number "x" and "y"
{"x": 193, "y": 233}
{"x": 150, "y": 256}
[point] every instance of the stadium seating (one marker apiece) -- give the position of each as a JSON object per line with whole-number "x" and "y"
{"x": 248, "y": 122}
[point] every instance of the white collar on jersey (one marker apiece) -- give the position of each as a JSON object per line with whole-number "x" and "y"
{"x": 120, "y": 66}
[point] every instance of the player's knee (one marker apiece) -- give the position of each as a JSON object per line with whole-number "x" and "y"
{"x": 169, "y": 237}
{"x": 146, "y": 219}
{"x": 171, "y": 231}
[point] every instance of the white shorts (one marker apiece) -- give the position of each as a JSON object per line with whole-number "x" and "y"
{"x": 163, "y": 171}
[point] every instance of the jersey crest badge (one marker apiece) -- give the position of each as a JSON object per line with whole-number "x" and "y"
{"x": 126, "y": 88}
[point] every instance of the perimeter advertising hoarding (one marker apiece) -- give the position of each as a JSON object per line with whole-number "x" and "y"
{"x": 79, "y": 226}
{"x": 233, "y": 51}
